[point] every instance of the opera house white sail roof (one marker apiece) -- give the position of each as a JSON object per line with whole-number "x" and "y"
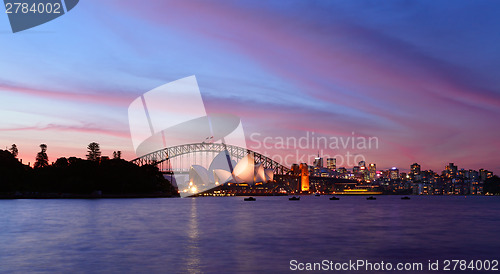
{"x": 219, "y": 173}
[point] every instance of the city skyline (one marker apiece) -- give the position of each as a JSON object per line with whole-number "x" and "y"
{"x": 318, "y": 161}
{"x": 428, "y": 94}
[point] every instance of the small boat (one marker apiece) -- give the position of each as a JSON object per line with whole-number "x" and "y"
{"x": 294, "y": 198}
{"x": 334, "y": 198}
{"x": 405, "y": 198}
{"x": 250, "y": 199}
{"x": 371, "y": 198}
{"x": 317, "y": 194}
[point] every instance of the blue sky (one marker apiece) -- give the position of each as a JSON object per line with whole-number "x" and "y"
{"x": 419, "y": 75}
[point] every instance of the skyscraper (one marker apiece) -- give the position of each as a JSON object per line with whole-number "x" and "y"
{"x": 394, "y": 173}
{"x": 415, "y": 169}
{"x": 372, "y": 171}
{"x": 415, "y": 172}
{"x": 318, "y": 162}
{"x": 331, "y": 164}
{"x": 451, "y": 170}
{"x": 362, "y": 164}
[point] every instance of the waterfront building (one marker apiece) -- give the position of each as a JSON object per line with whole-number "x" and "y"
{"x": 245, "y": 172}
{"x": 342, "y": 171}
{"x": 362, "y": 164}
{"x": 415, "y": 172}
{"x": 394, "y": 173}
{"x": 318, "y": 162}
{"x": 331, "y": 164}
{"x": 451, "y": 170}
{"x": 485, "y": 174}
{"x": 304, "y": 177}
{"x": 372, "y": 171}
{"x": 415, "y": 169}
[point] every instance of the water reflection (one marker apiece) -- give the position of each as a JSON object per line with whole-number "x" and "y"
{"x": 229, "y": 235}
{"x": 193, "y": 248}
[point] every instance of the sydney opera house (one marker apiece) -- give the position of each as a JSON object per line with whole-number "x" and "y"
{"x": 223, "y": 170}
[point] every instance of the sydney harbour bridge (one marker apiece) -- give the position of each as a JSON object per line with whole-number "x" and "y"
{"x": 180, "y": 158}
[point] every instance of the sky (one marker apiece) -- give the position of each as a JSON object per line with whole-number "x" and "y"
{"x": 420, "y": 76}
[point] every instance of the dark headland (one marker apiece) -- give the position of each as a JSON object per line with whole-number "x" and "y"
{"x": 78, "y": 178}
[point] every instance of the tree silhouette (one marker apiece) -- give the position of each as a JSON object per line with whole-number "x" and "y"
{"x": 13, "y": 150}
{"x": 42, "y": 160}
{"x": 117, "y": 154}
{"x": 61, "y": 162}
{"x": 94, "y": 151}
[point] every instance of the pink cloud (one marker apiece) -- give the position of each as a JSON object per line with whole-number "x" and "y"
{"x": 77, "y": 96}
{"x": 80, "y": 129}
{"x": 393, "y": 83}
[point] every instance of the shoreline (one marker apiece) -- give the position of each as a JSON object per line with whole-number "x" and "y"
{"x": 85, "y": 196}
{"x": 41, "y": 196}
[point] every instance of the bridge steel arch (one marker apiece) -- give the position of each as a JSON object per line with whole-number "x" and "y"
{"x": 162, "y": 155}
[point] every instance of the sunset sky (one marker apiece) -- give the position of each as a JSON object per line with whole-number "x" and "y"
{"x": 421, "y": 76}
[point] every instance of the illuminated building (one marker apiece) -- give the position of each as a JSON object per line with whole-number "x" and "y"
{"x": 485, "y": 174}
{"x": 372, "y": 171}
{"x": 362, "y": 164}
{"x": 342, "y": 170}
{"x": 246, "y": 171}
{"x": 415, "y": 173}
{"x": 365, "y": 174}
{"x": 331, "y": 164}
{"x": 304, "y": 179}
{"x": 199, "y": 178}
{"x": 222, "y": 176}
{"x": 318, "y": 162}
{"x": 394, "y": 173}
{"x": 415, "y": 169}
{"x": 451, "y": 170}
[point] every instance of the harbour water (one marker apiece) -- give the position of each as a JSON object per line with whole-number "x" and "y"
{"x": 229, "y": 235}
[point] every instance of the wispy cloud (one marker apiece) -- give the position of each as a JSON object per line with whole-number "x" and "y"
{"x": 95, "y": 97}
{"x": 332, "y": 68}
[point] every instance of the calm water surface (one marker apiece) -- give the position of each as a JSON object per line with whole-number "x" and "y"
{"x": 228, "y": 235}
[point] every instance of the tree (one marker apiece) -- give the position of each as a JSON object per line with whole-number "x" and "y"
{"x": 117, "y": 154}
{"x": 13, "y": 150}
{"x": 42, "y": 160}
{"x": 61, "y": 162}
{"x": 94, "y": 151}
